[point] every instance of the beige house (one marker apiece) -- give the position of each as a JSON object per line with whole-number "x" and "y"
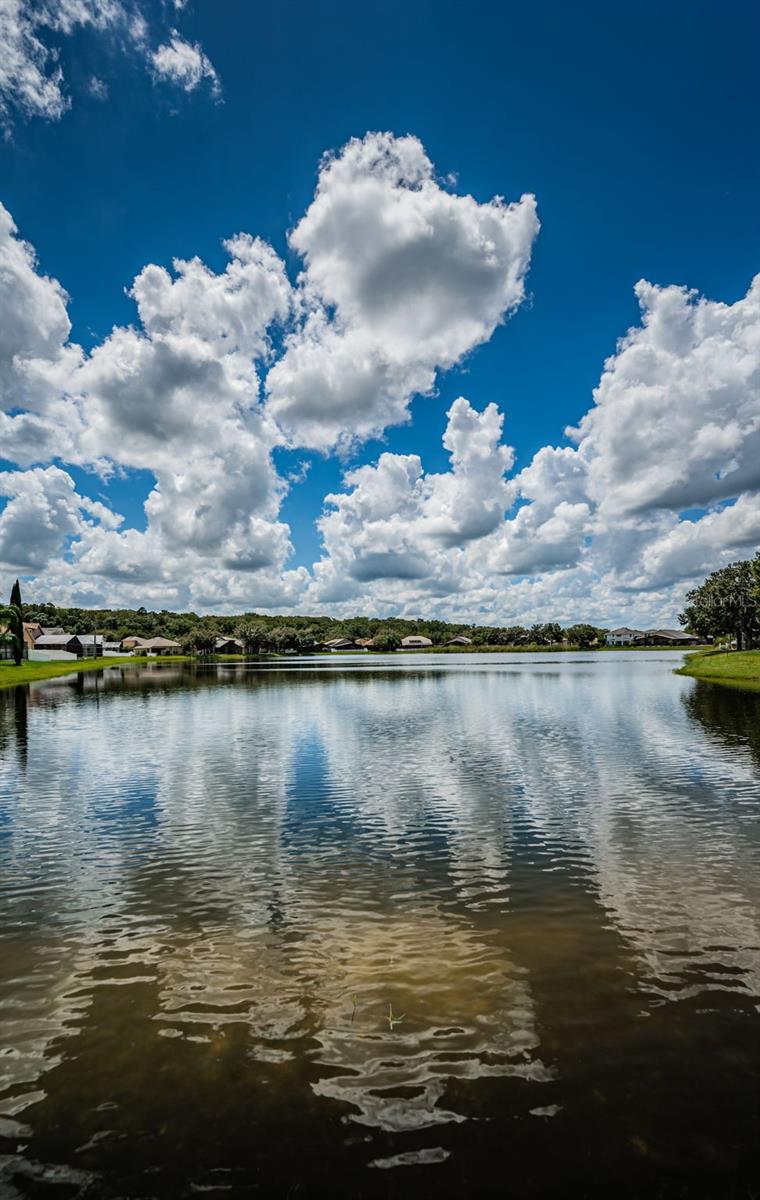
{"x": 32, "y": 630}
{"x": 415, "y": 641}
{"x": 160, "y": 645}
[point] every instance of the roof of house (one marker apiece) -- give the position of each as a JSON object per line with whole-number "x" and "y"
{"x": 49, "y": 641}
{"x": 134, "y": 640}
{"x": 337, "y": 643}
{"x": 51, "y": 629}
{"x": 225, "y": 641}
{"x": 416, "y": 639}
{"x": 160, "y": 643}
{"x": 676, "y": 635}
{"x": 459, "y": 640}
{"x": 624, "y": 632}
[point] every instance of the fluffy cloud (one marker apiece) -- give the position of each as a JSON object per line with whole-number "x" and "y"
{"x": 397, "y": 523}
{"x": 401, "y": 279}
{"x": 184, "y": 64}
{"x": 178, "y": 395}
{"x": 180, "y": 398}
{"x": 35, "y": 324}
{"x": 595, "y": 530}
{"x": 31, "y": 78}
{"x": 43, "y": 511}
{"x": 676, "y": 421}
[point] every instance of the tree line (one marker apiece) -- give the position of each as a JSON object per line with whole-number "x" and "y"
{"x": 263, "y": 634}
{"x": 727, "y": 604}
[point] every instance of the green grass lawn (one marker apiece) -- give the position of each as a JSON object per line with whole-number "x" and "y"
{"x": 741, "y": 668}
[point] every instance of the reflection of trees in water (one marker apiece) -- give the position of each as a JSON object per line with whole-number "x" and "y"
{"x": 14, "y": 722}
{"x": 726, "y": 713}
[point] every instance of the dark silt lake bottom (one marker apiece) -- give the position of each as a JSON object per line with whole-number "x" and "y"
{"x": 381, "y": 927}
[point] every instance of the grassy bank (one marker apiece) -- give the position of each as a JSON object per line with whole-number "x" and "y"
{"x": 30, "y": 672}
{"x": 739, "y": 668}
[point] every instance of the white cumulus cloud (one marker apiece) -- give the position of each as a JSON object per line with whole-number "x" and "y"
{"x": 401, "y": 279}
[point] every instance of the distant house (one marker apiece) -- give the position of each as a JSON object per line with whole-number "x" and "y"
{"x": 623, "y": 637}
{"x": 460, "y": 640}
{"x": 56, "y": 645}
{"x": 341, "y": 644}
{"x": 668, "y": 637}
{"x": 415, "y": 641}
{"x": 650, "y": 637}
{"x": 32, "y": 630}
{"x": 160, "y": 645}
{"x": 226, "y": 645}
{"x": 131, "y": 643}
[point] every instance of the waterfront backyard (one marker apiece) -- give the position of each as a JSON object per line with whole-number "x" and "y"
{"x": 378, "y": 926}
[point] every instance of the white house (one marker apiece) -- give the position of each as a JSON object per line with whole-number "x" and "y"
{"x": 415, "y": 641}
{"x": 624, "y": 637}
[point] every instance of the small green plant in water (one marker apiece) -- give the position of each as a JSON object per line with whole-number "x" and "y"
{"x": 394, "y": 1020}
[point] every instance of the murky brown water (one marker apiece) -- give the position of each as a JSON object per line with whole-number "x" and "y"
{"x": 386, "y": 927}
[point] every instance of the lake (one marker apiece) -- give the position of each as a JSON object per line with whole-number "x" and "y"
{"x": 381, "y": 926}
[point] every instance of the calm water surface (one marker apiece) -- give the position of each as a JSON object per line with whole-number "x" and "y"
{"x": 477, "y": 925}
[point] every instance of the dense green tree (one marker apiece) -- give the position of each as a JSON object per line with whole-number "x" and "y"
{"x": 253, "y": 635}
{"x": 385, "y": 639}
{"x": 201, "y": 640}
{"x": 358, "y": 628}
{"x": 553, "y": 633}
{"x": 515, "y": 635}
{"x": 581, "y": 635}
{"x": 726, "y": 603}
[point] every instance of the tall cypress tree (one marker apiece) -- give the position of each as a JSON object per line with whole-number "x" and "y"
{"x": 16, "y": 624}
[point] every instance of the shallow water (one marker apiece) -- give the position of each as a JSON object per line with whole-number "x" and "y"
{"x": 398, "y": 926}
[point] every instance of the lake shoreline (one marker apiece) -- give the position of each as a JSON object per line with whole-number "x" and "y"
{"x": 33, "y": 672}
{"x": 734, "y": 668}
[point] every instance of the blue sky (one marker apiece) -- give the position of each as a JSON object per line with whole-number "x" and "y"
{"x": 635, "y": 130}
